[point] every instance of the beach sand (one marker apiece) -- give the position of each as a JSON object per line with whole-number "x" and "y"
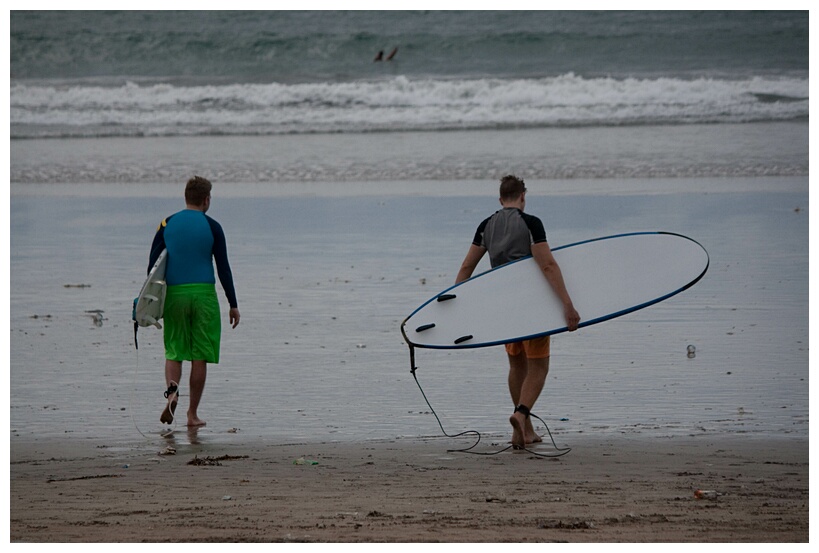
{"x": 607, "y": 489}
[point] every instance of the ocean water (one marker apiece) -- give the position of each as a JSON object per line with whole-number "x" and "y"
{"x": 349, "y": 190}
{"x": 81, "y": 74}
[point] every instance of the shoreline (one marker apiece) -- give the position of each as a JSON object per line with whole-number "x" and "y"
{"x": 607, "y": 489}
{"x": 305, "y": 162}
{"x": 614, "y": 187}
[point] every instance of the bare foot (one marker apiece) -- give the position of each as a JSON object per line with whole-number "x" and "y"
{"x": 518, "y": 421}
{"x": 531, "y": 436}
{"x": 167, "y": 415}
{"x": 195, "y": 421}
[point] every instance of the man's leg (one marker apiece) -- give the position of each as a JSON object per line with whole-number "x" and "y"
{"x": 518, "y": 369}
{"x": 199, "y": 372}
{"x": 537, "y": 370}
{"x": 173, "y": 374}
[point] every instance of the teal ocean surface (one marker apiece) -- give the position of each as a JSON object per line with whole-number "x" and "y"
{"x": 81, "y": 74}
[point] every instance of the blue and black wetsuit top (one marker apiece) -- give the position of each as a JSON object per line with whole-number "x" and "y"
{"x": 193, "y": 241}
{"x": 508, "y": 235}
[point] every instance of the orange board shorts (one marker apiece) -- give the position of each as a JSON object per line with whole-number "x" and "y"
{"x": 537, "y": 348}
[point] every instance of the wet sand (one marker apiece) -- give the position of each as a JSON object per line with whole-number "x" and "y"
{"x": 607, "y": 489}
{"x": 319, "y": 355}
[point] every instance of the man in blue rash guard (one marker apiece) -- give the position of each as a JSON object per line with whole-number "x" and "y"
{"x": 193, "y": 326}
{"x": 507, "y": 235}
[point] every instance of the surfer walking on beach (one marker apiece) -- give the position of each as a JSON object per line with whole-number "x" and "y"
{"x": 193, "y": 325}
{"x": 507, "y": 235}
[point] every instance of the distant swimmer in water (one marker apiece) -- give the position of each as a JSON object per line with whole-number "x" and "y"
{"x": 380, "y": 55}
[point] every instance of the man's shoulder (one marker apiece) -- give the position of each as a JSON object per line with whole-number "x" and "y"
{"x": 535, "y": 226}
{"x": 486, "y": 221}
{"x": 211, "y": 220}
{"x": 164, "y": 222}
{"x": 215, "y": 227}
{"x": 528, "y": 217}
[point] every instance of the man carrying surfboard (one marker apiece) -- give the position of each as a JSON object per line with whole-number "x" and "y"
{"x": 193, "y": 325}
{"x": 507, "y": 235}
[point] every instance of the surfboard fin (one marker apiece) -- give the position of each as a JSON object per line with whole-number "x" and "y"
{"x": 152, "y": 321}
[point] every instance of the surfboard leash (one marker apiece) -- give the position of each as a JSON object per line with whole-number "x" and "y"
{"x": 413, "y": 368}
{"x": 560, "y": 451}
{"x": 133, "y": 389}
{"x": 163, "y": 433}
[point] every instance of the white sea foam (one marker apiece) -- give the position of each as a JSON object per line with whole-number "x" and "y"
{"x": 396, "y": 104}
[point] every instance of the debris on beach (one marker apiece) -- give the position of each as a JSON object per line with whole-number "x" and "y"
{"x": 76, "y": 286}
{"x": 214, "y": 461}
{"x": 71, "y": 479}
{"x": 303, "y": 461}
{"x": 96, "y": 316}
{"x": 706, "y": 494}
{"x": 168, "y": 451}
{"x": 566, "y": 525}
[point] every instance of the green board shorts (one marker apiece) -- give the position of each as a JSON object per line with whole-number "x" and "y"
{"x": 192, "y": 322}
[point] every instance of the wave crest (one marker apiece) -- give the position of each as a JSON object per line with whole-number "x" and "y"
{"x": 396, "y": 104}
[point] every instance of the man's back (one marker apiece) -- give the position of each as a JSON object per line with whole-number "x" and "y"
{"x": 189, "y": 241}
{"x": 508, "y": 235}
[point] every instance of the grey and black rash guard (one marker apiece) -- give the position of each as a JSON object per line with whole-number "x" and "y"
{"x": 508, "y": 235}
{"x": 193, "y": 241}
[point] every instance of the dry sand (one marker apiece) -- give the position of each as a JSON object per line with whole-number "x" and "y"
{"x": 608, "y": 489}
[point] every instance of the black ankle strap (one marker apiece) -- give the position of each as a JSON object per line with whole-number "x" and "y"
{"x": 171, "y": 389}
{"x": 523, "y": 409}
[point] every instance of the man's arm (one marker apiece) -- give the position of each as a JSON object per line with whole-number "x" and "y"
{"x": 157, "y": 245}
{"x": 473, "y": 257}
{"x": 551, "y": 270}
{"x": 223, "y": 270}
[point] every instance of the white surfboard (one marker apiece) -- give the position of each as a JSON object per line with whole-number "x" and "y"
{"x": 606, "y": 278}
{"x": 150, "y": 303}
